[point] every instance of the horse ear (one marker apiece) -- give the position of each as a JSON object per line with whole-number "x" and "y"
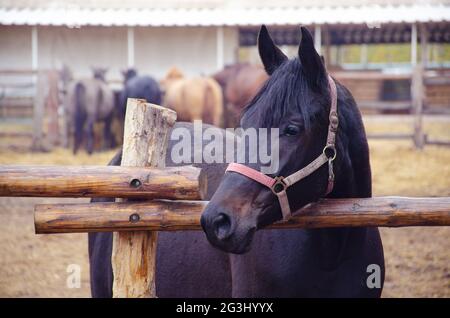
{"x": 271, "y": 56}
{"x": 312, "y": 63}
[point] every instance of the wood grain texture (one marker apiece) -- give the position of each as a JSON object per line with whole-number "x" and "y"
{"x": 146, "y": 135}
{"x": 185, "y": 215}
{"x": 174, "y": 183}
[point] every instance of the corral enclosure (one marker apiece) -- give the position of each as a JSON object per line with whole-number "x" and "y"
{"x": 367, "y": 47}
{"x": 375, "y": 59}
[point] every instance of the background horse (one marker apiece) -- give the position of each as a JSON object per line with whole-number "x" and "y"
{"x": 276, "y": 263}
{"x": 89, "y": 101}
{"x": 198, "y": 98}
{"x": 240, "y": 82}
{"x": 136, "y": 86}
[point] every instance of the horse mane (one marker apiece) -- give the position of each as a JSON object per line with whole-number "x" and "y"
{"x": 287, "y": 87}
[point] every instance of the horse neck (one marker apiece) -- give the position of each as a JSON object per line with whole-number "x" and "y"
{"x": 353, "y": 176}
{"x": 353, "y": 180}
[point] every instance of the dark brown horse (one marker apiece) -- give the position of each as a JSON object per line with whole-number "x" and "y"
{"x": 273, "y": 263}
{"x": 240, "y": 82}
{"x": 89, "y": 101}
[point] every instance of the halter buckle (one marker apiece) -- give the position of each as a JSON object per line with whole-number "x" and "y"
{"x": 279, "y": 185}
{"x": 334, "y": 121}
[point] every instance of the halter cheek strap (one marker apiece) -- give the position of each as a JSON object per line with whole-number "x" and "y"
{"x": 279, "y": 185}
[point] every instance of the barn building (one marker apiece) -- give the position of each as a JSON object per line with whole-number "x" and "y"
{"x": 201, "y": 36}
{"x": 376, "y": 48}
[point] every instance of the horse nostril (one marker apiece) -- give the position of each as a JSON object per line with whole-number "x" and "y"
{"x": 222, "y": 226}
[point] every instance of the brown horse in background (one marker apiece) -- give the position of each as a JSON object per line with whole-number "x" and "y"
{"x": 89, "y": 101}
{"x": 198, "y": 98}
{"x": 240, "y": 82}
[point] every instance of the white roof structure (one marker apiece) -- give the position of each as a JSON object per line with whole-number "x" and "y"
{"x": 219, "y": 12}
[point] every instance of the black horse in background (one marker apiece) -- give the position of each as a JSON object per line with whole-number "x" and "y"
{"x": 136, "y": 86}
{"x": 235, "y": 258}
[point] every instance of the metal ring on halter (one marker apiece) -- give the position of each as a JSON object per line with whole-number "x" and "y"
{"x": 330, "y": 147}
{"x": 279, "y": 181}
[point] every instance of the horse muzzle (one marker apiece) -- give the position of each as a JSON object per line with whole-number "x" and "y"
{"x": 224, "y": 233}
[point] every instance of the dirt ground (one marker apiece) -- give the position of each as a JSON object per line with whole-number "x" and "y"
{"x": 417, "y": 259}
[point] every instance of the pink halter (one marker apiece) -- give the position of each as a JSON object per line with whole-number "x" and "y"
{"x": 279, "y": 185}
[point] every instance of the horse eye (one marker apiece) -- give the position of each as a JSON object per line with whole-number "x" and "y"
{"x": 291, "y": 130}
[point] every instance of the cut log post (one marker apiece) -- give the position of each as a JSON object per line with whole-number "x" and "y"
{"x": 417, "y": 93}
{"x": 52, "y": 105}
{"x": 38, "y": 112}
{"x": 146, "y": 136}
{"x": 173, "y": 183}
{"x": 184, "y": 215}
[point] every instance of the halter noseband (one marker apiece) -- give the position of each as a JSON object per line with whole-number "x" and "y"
{"x": 279, "y": 185}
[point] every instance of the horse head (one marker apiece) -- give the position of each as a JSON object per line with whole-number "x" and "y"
{"x": 296, "y": 101}
{"x": 173, "y": 75}
{"x": 128, "y": 74}
{"x": 99, "y": 73}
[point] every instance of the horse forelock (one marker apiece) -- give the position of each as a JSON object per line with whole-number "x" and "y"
{"x": 286, "y": 90}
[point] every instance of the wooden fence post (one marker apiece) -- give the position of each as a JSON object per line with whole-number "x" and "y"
{"x": 146, "y": 136}
{"x": 52, "y": 109}
{"x": 417, "y": 99}
{"x": 418, "y": 90}
{"x": 38, "y": 111}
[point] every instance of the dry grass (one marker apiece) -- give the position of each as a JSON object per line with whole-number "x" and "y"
{"x": 417, "y": 259}
{"x": 58, "y": 156}
{"x": 35, "y": 265}
{"x": 400, "y": 169}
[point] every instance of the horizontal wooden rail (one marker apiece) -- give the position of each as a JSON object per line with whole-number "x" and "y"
{"x": 390, "y": 136}
{"x": 369, "y": 75}
{"x": 183, "y": 215}
{"x": 386, "y": 105}
{"x": 176, "y": 183}
{"x": 15, "y": 134}
{"x": 437, "y": 80}
{"x": 19, "y": 72}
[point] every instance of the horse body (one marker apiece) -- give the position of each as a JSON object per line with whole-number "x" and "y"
{"x": 240, "y": 82}
{"x": 272, "y": 263}
{"x": 198, "y": 98}
{"x": 137, "y": 86}
{"x": 281, "y": 263}
{"x": 89, "y": 101}
{"x": 187, "y": 265}
{"x": 318, "y": 262}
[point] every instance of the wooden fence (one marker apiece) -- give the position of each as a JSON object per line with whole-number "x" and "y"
{"x": 176, "y": 201}
{"x": 429, "y": 90}
{"x": 175, "y": 192}
{"x": 32, "y": 95}
{"x": 429, "y": 94}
